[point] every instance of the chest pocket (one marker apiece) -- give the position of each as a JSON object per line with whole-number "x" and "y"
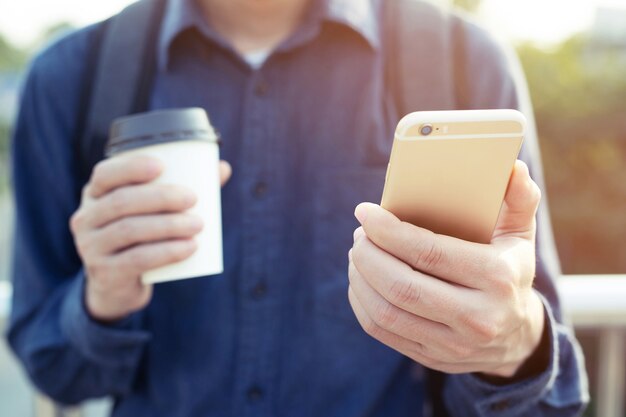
{"x": 338, "y": 192}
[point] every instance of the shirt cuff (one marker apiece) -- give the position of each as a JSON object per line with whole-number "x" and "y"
{"x": 119, "y": 344}
{"x": 468, "y": 395}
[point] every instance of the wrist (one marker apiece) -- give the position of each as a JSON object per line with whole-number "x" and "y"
{"x": 534, "y": 347}
{"x": 102, "y": 310}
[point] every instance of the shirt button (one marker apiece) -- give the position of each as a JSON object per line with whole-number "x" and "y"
{"x": 261, "y": 88}
{"x": 500, "y": 405}
{"x": 259, "y": 291}
{"x": 260, "y": 189}
{"x": 255, "y": 394}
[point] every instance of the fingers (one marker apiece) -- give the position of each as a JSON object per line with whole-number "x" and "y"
{"x": 410, "y": 290}
{"x": 148, "y": 256}
{"x": 377, "y": 332}
{"x": 134, "y": 230}
{"x": 394, "y": 319}
{"x": 454, "y": 260}
{"x": 120, "y": 171}
{"x": 517, "y": 216}
{"x": 418, "y": 352}
{"x": 126, "y": 170}
{"x": 225, "y": 172}
{"x": 131, "y": 201}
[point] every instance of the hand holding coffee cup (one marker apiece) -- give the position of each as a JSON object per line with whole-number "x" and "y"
{"x": 131, "y": 223}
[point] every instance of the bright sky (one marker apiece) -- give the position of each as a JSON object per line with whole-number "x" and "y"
{"x": 544, "y": 21}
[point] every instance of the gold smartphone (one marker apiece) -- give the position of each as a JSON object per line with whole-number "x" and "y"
{"x": 449, "y": 170}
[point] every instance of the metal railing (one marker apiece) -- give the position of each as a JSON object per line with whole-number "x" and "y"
{"x": 590, "y": 301}
{"x": 599, "y": 302}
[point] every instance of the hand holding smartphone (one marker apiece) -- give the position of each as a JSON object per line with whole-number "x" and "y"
{"x": 449, "y": 170}
{"x": 451, "y": 304}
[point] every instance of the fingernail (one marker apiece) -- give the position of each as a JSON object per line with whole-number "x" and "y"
{"x": 189, "y": 198}
{"x": 154, "y": 166}
{"x": 360, "y": 212}
{"x": 196, "y": 223}
{"x": 190, "y": 244}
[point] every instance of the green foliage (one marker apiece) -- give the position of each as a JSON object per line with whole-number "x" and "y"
{"x": 4, "y": 139}
{"x": 578, "y": 90}
{"x": 4, "y": 150}
{"x": 11, "y": 58}
{"x": 469, "y": 5}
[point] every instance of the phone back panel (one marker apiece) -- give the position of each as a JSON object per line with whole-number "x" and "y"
{"x": 451, "y": 184}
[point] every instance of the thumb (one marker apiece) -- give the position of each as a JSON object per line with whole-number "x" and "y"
{"x": 225, "y": 172}
{"x": 517, "y": 216}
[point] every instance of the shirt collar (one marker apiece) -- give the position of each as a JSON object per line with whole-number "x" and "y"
{"x": 358, "y": 15}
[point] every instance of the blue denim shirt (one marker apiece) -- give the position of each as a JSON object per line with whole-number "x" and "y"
{"x": 308, "y": 136}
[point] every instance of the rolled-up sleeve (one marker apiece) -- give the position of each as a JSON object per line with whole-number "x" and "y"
{"x": 68, "y": 356}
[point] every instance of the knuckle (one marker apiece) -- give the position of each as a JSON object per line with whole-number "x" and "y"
{"x": 405, "y": 293}
{"x": 461, "y": 352}
{"x": 97, "y": 174}
{"x": 358, "y": 233}
{"x": 119, "y": 201}
{"x": 84, "y": 244}
{"x": 386, "y": 315}
{"x": 483, "y": 329}
{"x": 126, "y": 229}
{"x": 97, "y": 183}
{"x": 487, "y": 331}
{"x": 76, "y": 221}
{"x": 505, "y": 277}
{"x": 517, "y": 315}
{"x": 97, "y": 268}
{"x": 371, "y": 328}
{"x": 427, "y": 254}
{"x": 432, "y": 363}
{"x": 359, "y": 251}
{"x": 136, "y": 259}
{"x": 507, "y": 288}
{"x": 174, "y": 197}
{"x": 123, "y": 234}
{"x": 177, "y": 252}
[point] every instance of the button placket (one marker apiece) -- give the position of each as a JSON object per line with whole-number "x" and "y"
{"x": 254, "y": 347}
{"x": 255, "y": 394}
{"x": 260, "y": 189}
{"x": 259, "y": 291}
{"x": 261, "y": 88}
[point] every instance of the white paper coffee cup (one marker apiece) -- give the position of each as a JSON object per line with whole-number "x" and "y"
{"x": 184, "y": 140}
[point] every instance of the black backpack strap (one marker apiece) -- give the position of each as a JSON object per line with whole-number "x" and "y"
{"x": 89, "y": 75}
{"x": 119, "y": 76}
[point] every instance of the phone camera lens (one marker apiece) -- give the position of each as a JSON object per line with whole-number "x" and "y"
{"x": 426, "y": 130}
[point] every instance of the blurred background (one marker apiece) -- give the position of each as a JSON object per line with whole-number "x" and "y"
{"x": 574, "y": 55}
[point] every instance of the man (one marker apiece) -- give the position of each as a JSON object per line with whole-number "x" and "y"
{"x": 296, "y": 88}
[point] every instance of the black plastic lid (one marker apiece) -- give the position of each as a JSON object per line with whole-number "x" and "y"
{"x": 160, "y": 126}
